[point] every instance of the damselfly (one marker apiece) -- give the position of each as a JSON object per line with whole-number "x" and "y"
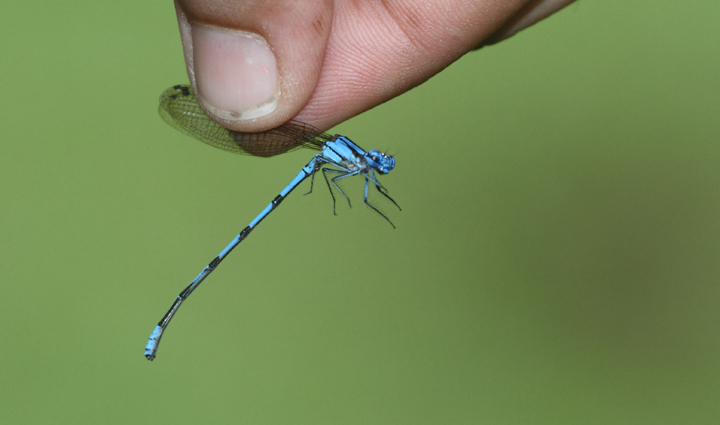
{"x": 179, "y": 108}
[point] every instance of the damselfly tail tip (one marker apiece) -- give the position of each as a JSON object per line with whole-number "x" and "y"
{"x": 153, "y": 343}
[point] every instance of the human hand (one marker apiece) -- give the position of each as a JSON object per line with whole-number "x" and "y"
{"x": 255, "y": 64}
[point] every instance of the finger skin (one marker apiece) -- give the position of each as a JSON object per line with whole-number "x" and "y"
{"x": 339, "y": 58}
{"x": 533, "y": 12}
{"x": 379, "y": 50}
{"x": 296, "y": 32}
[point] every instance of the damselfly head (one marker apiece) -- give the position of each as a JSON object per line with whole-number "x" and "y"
{"x": 380, "y": 161}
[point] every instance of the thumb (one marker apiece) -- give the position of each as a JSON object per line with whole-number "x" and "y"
{"x": 253, "y": 64}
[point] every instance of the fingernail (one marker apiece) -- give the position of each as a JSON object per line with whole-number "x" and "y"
{"x": 235, "y": 73}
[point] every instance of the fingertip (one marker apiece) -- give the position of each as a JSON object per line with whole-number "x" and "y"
{"x": 253, "y": 66}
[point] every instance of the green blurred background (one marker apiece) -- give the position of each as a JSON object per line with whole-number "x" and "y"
{"x": 555, "y": 262}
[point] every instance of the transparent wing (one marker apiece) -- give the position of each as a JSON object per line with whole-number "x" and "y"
{"x": 180, "y": 109}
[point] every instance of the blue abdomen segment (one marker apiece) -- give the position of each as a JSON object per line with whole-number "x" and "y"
{"x": 153, "y": 342}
